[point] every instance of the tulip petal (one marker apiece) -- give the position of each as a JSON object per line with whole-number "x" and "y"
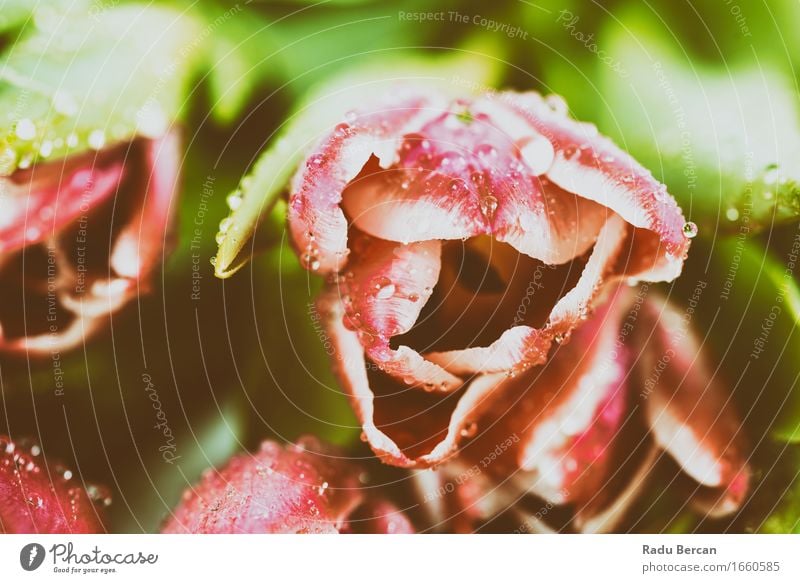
{"x": 593, "y": 167}
{"x": 383, "y": 290}
{"x": 45, "y": 499}
{"x": 458, "y": 179}
{"x": 37, "y": 202}
{"x": 522, "y": 347}
{"x": 302, "y": 488}
{"x": 316, "y": 221}
{"x": 140, "y": 246}
{"x": 690, "y": 414}
{"x": 404, "y": 426}
{"x": 562, "y": 417}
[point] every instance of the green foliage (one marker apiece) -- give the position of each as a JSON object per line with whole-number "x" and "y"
{"x": 81, "y": 78}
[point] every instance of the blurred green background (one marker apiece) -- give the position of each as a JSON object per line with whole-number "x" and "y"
{"x": 703, "y": 93}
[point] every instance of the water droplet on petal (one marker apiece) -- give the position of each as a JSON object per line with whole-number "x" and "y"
{"x": 570, "y": 152}
{"x": 469, "y": 430}
{"x": 488, "y": 206}
{"x": 556, "y": 103}
{"x": 689, "y": 230}
{"x": 538, "y": 155}
{"x": 382, "y": 288}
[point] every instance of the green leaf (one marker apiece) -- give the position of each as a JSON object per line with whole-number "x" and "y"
{"x": 726, "y": 141}
{"x": 749, "y": 310}
{"x": 237, "y": 43}
{"x": 783, "y": 514}
{"x": 321, "y": 110}
{"x": 80, "y": 79}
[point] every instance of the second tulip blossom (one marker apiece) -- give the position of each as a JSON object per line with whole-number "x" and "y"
{"x": 80, "y": 237}
{"x": 463, "y": 239}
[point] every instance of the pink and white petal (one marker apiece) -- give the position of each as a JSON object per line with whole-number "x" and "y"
{"x": 593, "y": 167}
{"x": 422, "y": 447}
{"x": 301, "y": 488}
{"x": 517, "y": 345}
{"x": 316, "y": 221}
{"x": 72, "y": 336}
{"x": 575, "y": 305}
{"x": 383, "y": 290}
{"x": 561, "y": 417}
{"x": 720, "y": 502}
{"x": 522, "y": 347}
{"x": 603, "y": 516}
{"x": 411, "y": 205}
{"x": 547, "y": 222}
{"x": 689, "y": 412}
{"x": 457, "y": 180}
{"x": 42, "y": 200}
{"x": 387, "y": 284}
{"x": 141, "y": 244}
{"x": 568, "y": 447}
{"x": 378, "y": 517}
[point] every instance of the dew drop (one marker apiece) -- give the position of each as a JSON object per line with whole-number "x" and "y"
{"x": 570, "y": 152}
{"x": 469, "y": 430}
{"x": 97, "y": 139}
{"x": 234, "y": 200}
{"x": 64, "y": 103}
{"x": 689, "y": 230}
{"x": 8, "y": 161}
{"x": 225, "y": 224}
{"x": 25, "y": 129}
{"x": 538, "y": 155}
{"x": 382, "y": 288}
{"x": 485, "y": 151}
{"x": 151, "y": 121}
{"x": 556, "y": 103}
{"x": 489, "y": 206}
